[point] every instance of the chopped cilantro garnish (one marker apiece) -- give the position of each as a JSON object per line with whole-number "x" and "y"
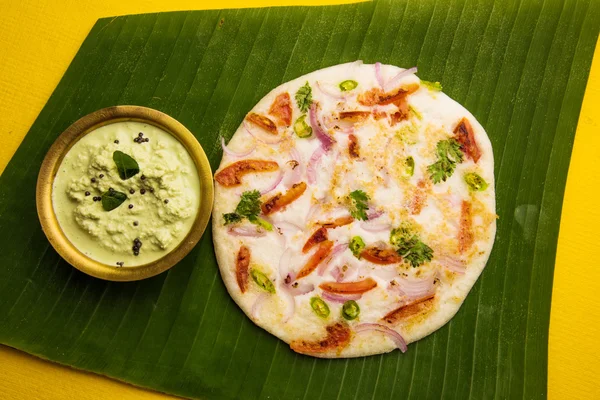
{"x": 358, "y": 204}
{"x": 419, "y": 254}
{"x": 231, "y": 218}
{"x": 248, "y": 207}
{"x": 432, "y": 85}
{"x": 448, "y": 154}
{"x": 410, "y": 247}
{"x": 304, "y": 97}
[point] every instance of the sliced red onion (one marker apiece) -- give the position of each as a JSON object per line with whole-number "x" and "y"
{"x": 300, "y": 288}
{"x": 392, "y": 334}
{"x": 258, "y": 303}
{"x": 341, "y": 126}
{"x": 337, "y": 274}
{"x": 290, "y": 301}
{"x": 248, "y": 231}
{"x": 273, "y": 184}
{"x": 402, "y": 74}
{"x": 288, "y": 226}
{"x": 378, "y": 74}
{"x": 284, "y": 264}
{"x": 311, "y": 171}
{"x": 453, "y": 264}
{"x": 326, "y": 90}
{"x": 351, "y": 273}
{"x": 337, "y": 249}
{"x": 415, "y": 288}
{"x": 326, "y": 140}
{"x": 374, "y": 215}
{"x": 262, "y": 140}
{"x": 295, "y": 175}
{"x": 236, "y": 154}
{"x": 281, "y": 237}
{"x": 338, "y": 298}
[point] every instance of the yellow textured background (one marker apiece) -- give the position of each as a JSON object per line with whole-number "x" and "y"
{"x": 38, "y": 40}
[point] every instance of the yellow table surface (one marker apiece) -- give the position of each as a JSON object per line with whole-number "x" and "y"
{"x": 38, "y": 40}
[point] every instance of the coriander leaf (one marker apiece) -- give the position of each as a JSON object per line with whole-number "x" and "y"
{"x": 403, "y": 239}
{"x": 448, "y": 154}
{"x": 304, "y": 97}
{"x": 418, "y": 254}
{"x": 249, "y": 205}
{"x": 435, "y": 86}
{"x": 112, "y": 199}
{"x": 230, "y": 218}
{"x": 126, "y": 165}
{"x": 358, "y": 204}
{"x": 410, "y": 247}
{"x": 451, "y": 149}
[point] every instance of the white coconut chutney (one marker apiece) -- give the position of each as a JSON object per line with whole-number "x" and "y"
{"x": 162, "y": 199}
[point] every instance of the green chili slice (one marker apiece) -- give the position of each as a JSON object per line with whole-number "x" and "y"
{"x": 350, "y": 310}
{"x": 319, "y": 307}
{"x": 302, "y": 129}
{"x": 357, "y": 244}
{"x": 475, "y": 182}
{"x": 348, "y": 85}
{"x": 410, "y": 165}
{"x": 262, "y": 281}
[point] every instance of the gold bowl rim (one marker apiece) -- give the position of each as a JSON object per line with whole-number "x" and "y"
{"x": 54, "y": 158}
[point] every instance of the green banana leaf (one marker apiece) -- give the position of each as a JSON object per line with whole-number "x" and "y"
{"x": 520, "y": 67}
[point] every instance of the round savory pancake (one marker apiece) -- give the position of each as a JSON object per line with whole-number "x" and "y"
{"x": 354, "y": 210}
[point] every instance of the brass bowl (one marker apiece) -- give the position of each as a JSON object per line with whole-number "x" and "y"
{"x": 52, "y": 162}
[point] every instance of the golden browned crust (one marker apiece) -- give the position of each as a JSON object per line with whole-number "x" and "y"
{"x": 376, "y": 96}
{"x": 338, "y": 337}
{"x": 381, "y": 255}
{"x": 262, "y": 122}
{"x": 466, "y": 138}
{"x": 341, "y": 221}
{"x": 409, "y": 310}
{"x": 353, "y": 146}
{"x": 282, "y": 109}
{"x": 313, "y": 262}
{"x": 354, "y": 116}
{"x": 280, "y": 201}
{"x": 419, "y": 197}
{"x": 319, "y": 236}
{"x": 241, "y": 268}
{"x": 465, "y": 231}
{"x": 232, "y": 174}
{"x": 349, "y": 287}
